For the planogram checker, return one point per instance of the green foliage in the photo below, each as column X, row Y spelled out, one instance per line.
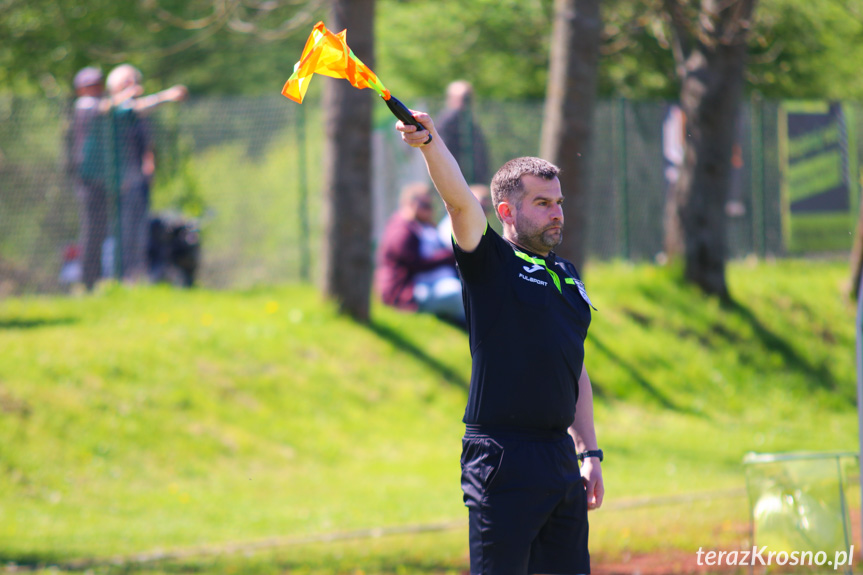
column 50, row 40
column 799, row 50
column 244, row 52
column 500, row 46
column 636, row 59
column 171, row 41
column 179, row 418
column 37, row 209
column 808, row 49
column 176, row 186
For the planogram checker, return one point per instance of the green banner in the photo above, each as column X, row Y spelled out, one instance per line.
column 819, row 174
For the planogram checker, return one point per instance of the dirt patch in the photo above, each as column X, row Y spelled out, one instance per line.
column 678, row 562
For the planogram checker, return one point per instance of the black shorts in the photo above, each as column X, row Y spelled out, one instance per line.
column 527, row 503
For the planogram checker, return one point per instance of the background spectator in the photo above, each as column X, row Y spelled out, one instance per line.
column 91, row 191
column 462, row 135
column 136, row 161
column 415, row 269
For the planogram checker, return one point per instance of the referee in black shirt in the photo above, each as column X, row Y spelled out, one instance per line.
column 529, row 417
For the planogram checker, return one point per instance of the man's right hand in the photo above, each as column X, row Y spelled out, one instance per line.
column 414, row 137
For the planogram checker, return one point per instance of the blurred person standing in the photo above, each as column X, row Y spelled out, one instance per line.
column 90, row 188
column 136, row 160
column 462, row 135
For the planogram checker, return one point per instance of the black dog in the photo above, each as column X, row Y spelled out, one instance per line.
column 174, row 250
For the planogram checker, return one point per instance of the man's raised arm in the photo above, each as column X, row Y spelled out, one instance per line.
column 468, row 218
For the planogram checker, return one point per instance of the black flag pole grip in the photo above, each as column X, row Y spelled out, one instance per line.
column 401, row 112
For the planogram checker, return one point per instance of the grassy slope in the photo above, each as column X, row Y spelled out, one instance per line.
column 152, row 417
column 142, row 418
column 690, row 386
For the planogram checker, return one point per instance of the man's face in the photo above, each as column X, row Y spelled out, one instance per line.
column 538, row 218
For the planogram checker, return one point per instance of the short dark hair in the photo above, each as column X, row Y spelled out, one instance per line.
column 506, row 185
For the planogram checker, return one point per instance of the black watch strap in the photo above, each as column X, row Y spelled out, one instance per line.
column 592, row 453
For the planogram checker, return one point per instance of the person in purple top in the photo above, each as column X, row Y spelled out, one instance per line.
column 415, row 270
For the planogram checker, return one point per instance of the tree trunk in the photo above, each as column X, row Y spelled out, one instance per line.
column 710, row 97
column 568, row 120
column 347, row 257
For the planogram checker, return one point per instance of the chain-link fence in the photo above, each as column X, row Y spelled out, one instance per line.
column 235, row 197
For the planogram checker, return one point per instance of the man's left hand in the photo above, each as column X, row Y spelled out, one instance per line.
column 591, row 474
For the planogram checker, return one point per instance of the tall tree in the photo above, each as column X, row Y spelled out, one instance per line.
column 348, row 170
column 568, row 119
column 710, row 50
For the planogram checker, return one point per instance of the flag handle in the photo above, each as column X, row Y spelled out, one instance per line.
column 401, row 112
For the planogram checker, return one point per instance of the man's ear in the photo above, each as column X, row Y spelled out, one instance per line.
column 506, row 212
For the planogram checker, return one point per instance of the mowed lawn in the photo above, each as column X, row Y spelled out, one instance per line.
column 146, row 418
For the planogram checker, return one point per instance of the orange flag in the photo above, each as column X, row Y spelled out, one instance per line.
column 328, row 54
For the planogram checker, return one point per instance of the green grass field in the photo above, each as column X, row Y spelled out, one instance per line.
column 147, row 418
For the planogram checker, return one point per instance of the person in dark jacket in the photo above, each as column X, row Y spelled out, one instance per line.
column 89, row 87
column 531, row 466
column 462, row 134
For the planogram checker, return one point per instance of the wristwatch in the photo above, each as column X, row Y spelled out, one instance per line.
column 592, row 453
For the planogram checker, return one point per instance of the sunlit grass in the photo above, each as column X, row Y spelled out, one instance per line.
column 148, row 418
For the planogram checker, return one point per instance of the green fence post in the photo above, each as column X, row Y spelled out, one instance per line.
column 116, row 184
column 763, row 190
column 757, row 174
column 623, row 187
column 305, row 257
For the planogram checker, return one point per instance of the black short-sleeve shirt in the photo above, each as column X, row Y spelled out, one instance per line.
column 527, row 318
